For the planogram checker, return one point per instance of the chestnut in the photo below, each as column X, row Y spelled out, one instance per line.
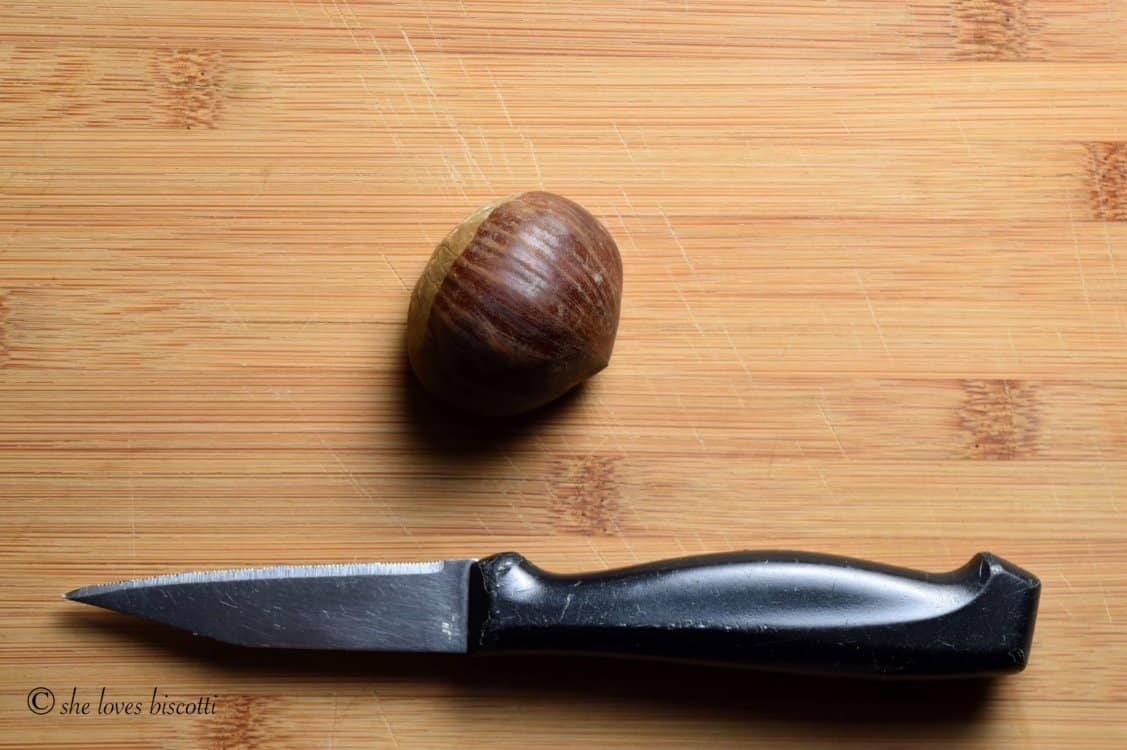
column 518, row 305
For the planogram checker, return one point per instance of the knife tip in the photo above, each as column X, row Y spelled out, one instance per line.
column 75, row 595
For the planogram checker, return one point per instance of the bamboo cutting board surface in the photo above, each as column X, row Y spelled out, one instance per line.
column 875, row 304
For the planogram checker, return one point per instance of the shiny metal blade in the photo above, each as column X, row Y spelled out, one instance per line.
column 366, row 607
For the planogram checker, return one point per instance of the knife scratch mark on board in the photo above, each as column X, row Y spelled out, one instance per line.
column 676, row 239
column 830, row 423
column 500, row 97
column 872, row 312
column 287, row 395
column 626, row 229
column 296, row 15
column 398, row 278
column 625, row 145
column 345, row 24
column 505, row 492
column 739, row 357
column 535, row 159
column 1079, row 260
column 333, row 722
column 685, row 302
column 418, row 64
column 386, row 721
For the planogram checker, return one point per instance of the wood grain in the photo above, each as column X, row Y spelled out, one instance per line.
column 875, row 304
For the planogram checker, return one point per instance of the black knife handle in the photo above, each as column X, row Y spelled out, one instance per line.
column 774, row 610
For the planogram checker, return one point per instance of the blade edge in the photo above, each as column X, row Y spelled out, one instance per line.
column 330, row 570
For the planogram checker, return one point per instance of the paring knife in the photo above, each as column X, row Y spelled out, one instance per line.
column 774, row 610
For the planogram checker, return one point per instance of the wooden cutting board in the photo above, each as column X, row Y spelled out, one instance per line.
column 875, row 304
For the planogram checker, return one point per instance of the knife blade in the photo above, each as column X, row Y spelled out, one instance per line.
column 791, row 611
column 365, row 607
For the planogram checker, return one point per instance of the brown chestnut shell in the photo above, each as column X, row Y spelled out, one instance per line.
column 518, row 305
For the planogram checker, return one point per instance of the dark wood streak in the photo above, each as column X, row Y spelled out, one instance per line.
column 999, row 419
column 234, row 724
column 191, row 84
column 587, row 496
column 993, row 29
column 1107, row 180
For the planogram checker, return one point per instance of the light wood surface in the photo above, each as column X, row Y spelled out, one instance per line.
column 875, row 304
